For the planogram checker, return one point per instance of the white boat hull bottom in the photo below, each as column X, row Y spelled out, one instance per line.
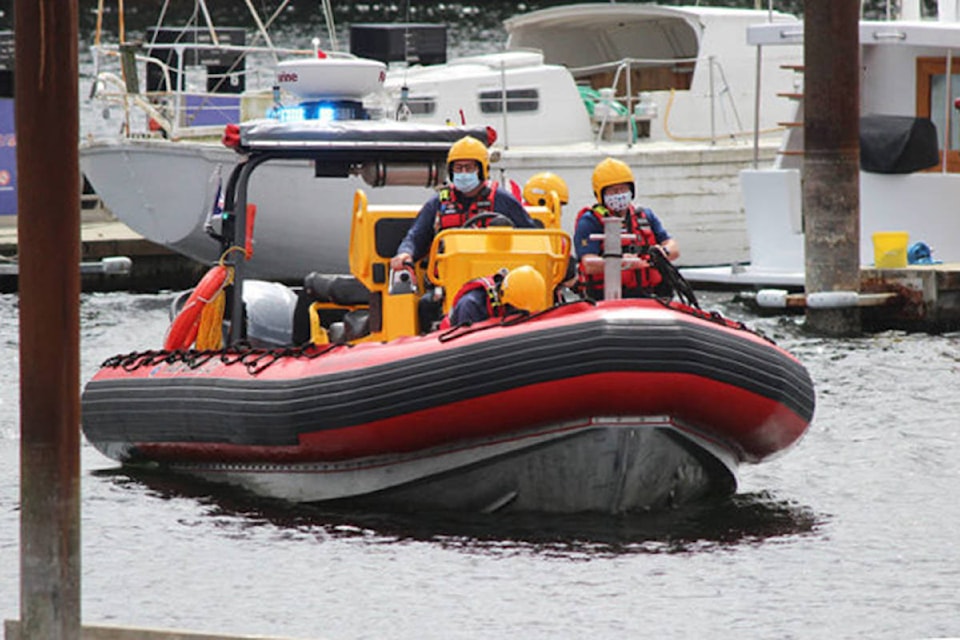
column 603, row 465
column 739, row 276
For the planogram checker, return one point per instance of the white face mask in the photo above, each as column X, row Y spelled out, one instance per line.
column 617, row 201
column 466, row 182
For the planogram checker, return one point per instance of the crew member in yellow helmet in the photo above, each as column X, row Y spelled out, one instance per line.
column 521, row 289
column 469, row 193
column 615, row 189
column 536, row 190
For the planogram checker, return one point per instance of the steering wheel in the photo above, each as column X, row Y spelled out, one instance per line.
column 495, row 220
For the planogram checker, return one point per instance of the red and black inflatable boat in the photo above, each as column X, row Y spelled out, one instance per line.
column 613, row 406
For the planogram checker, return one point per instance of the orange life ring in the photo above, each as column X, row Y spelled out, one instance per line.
column 183, row 330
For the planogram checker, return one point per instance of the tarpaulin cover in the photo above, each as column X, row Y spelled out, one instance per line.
column 897, row 144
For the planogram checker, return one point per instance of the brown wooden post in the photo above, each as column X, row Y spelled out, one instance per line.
column 48, row 219
column 831, row 165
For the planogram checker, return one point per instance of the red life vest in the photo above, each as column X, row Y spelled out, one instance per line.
column 635, row 282
column 492, row 288
column 451, row 213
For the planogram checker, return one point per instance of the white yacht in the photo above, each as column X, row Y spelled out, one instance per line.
column 910, row 155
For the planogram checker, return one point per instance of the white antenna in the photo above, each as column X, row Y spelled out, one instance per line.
column 260, row 26
column 331, row 28
column 209, row 21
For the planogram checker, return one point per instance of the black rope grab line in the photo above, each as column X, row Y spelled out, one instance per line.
column 254, row 359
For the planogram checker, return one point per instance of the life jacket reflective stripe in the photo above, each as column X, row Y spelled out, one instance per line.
column 634, row 282
column 452, row 215
column 488, row 284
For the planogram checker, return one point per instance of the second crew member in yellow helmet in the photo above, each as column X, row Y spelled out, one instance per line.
column 470, row 193
column 536, row 190
column 615, row 189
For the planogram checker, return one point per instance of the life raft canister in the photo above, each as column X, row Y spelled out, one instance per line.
column 184, row 328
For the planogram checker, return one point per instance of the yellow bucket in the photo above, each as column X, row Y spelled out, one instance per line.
column 890, row 249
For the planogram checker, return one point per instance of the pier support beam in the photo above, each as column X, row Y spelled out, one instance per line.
column 48, row 228
column 831, row 164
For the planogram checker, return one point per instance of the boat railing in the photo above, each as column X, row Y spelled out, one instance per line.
column 181, row 101
column 637, row 110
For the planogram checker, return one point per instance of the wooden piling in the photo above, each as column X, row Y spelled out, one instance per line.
column 831, row 164
column 48, row 190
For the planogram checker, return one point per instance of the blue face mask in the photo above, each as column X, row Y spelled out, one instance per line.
column 466, row 182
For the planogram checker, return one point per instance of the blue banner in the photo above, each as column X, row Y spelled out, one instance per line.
column 8, row 159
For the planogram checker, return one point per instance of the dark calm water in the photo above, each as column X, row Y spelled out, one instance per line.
column 850, row 534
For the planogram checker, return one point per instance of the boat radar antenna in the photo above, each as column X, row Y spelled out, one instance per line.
column 403, row 108
column 331, row 27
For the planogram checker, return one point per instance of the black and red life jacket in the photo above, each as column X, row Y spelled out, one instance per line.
column 635, row 282
column 490, row 286
column 452, row 214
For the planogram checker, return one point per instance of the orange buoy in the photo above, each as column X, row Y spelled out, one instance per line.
column 184, row 328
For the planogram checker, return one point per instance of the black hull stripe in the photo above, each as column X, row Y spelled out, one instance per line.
column 277, row 412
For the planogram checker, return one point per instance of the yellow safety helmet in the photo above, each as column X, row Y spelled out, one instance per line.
column 610, row 172
column 524, row 288
column 469, row 148
column 539, row 185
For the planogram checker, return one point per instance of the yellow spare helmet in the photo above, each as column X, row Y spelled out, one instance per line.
column 469, row 148
column 610, row 172
column 524, row 288
column 537, row 188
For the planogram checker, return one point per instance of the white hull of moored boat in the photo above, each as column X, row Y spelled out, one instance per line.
column 303, row 225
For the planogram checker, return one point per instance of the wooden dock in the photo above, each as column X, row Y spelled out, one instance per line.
column 927, row 298
column 153, row 268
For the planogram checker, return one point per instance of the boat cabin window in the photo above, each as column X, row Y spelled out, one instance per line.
column 932, row 103
column 643, row 77
column 422, row 105
column 517, row 100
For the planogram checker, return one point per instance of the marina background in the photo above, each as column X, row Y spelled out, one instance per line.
column 851, row 534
